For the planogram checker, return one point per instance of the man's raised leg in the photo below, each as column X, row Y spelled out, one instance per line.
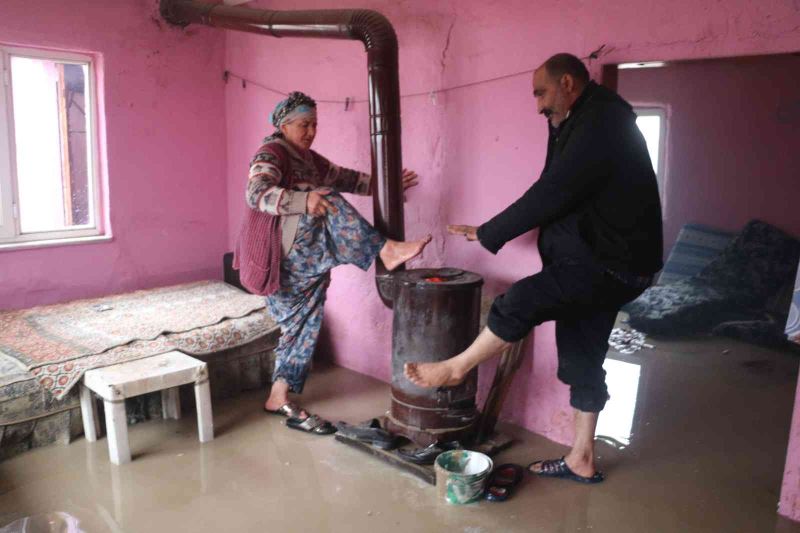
column 451, row 372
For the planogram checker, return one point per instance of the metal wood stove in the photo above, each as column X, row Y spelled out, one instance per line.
column 436, row 316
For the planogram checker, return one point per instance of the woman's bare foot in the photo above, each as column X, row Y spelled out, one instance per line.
column 279, row 396
column 441, row 374
column 395, row 253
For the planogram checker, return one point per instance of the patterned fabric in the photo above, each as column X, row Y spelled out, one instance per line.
column 793, row 321
column 57, row 343
column 295, row 101
column 696, row 247
column 11, row 370
column 736, row 286
column 59, row 378
column 308, row 172
column 27, row 398
column 299, row 113
column 321, row 243
column 56, row 333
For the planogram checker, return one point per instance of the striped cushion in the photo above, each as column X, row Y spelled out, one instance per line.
column 695, row 247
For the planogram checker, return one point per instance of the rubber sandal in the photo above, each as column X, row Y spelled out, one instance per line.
column 289, row 410
column 502, row 481
column 558, row 468
column 369, row 432
column 311, row 424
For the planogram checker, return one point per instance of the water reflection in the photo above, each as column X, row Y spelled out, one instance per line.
column 56, row 522
column 623, row 376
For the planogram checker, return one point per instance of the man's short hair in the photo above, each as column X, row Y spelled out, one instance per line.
column 561, row 64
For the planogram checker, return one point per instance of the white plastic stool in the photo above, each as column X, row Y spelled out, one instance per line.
column 163, row 373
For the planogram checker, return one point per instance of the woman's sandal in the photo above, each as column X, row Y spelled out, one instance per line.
column 311, row 424
column 502, row 482
column 289, row 410
column 559, row 468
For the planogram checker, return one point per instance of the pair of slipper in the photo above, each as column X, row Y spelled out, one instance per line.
column 502, row 481
column 295, row 420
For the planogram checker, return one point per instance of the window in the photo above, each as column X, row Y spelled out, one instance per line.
column 49, row 187
column 652, row 124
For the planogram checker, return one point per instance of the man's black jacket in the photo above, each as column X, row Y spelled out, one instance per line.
column 597, row 196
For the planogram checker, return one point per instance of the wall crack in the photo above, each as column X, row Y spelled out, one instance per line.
column 447, row 44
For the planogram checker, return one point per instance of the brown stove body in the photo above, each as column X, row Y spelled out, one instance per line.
column 436, row 316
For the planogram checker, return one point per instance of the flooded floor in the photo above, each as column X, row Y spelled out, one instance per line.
column 693, row 440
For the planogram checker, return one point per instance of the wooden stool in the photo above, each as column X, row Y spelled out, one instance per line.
column 163, row 373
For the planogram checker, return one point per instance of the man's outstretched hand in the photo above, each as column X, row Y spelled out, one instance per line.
column 470, row 232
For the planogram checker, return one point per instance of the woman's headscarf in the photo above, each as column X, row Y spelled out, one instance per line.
column 296, row 106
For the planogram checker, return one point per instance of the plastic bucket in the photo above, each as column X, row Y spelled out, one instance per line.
column 461, row 475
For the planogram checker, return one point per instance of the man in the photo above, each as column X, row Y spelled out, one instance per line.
column 597, row 208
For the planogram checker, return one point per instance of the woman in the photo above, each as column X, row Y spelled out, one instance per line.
column 318, row 231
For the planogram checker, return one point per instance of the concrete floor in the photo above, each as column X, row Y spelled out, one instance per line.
column 703, row 450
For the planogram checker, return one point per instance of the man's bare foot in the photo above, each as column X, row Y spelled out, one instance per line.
column 582, row 466
column 441, row 374
column 395, row 253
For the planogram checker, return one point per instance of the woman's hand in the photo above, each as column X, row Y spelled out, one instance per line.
column 410, row 179
column 316, row 203
column 470, row 232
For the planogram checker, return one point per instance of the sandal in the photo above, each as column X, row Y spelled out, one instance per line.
column 502, row 482
column 559, row 468
column 289, row 410
column 427, row 455
column 370, row 432
column 311, row 424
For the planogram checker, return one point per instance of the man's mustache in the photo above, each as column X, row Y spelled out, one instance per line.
column 547, row 112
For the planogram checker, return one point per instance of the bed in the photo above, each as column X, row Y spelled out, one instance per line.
column 45, row 350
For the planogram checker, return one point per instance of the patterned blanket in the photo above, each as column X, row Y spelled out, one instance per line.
column 58, row 343
column 695, row 247
column 737, row 286
column 793, row 322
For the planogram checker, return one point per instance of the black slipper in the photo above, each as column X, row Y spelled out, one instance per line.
column 427, row 455
column 502, row 481
column 558, row 468
column 370, row 432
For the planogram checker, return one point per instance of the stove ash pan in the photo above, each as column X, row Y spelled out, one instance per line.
column 436, row 316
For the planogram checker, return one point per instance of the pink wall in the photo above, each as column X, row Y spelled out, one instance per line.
column 163, row 153
column 731, row 139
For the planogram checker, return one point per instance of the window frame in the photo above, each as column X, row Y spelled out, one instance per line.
column 11, row 235
column 661, row 113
